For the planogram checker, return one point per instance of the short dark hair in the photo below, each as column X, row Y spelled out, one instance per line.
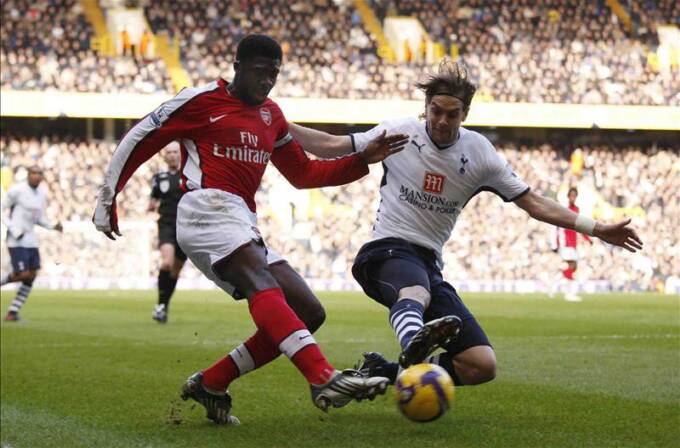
column 572, row 189
column 451, row 79
column 35, row 168
column 255, row 45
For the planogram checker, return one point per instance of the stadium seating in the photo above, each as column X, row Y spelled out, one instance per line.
column 328, row 226
column 573, row 51
column 46, row 46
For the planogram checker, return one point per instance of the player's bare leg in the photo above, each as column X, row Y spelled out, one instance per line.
column 475, row 365
column 299, row 296
column 258, row 350
column 570, row 294
column 248, row 271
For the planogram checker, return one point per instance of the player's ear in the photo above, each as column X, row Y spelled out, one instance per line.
column 237, row 64
column 465, row 113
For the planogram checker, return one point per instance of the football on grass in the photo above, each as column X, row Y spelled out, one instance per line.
column 424, row 392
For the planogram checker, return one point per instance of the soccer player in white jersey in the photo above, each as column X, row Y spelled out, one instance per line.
column 23, row 208
column 423, row 190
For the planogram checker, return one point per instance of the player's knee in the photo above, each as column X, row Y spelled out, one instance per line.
column 175, row 270
column 26, row 276
column 315, row 319
column 165, row 266
column 417, row 292
column 483, row 371
column 28, row 283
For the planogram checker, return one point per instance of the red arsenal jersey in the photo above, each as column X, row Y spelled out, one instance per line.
column 568, row 237
column 226, row 144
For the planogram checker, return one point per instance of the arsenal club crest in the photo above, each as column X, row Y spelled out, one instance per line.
column 266, row 116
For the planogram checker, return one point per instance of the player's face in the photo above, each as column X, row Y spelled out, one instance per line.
column 34, row 178
column 572, row 197
column 257, row 77
column 171, row 156
column 444, row 115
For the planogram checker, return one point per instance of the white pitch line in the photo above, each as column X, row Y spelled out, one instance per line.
column 598, row 336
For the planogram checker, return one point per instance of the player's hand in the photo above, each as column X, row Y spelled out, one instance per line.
column 619, row 234
column 59, row 227
column 383, row 146
column 105, row 219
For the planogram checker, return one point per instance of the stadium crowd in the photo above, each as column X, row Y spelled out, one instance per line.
column 557, row 51
column 320, row 231
column 46, row 45
column 573, row 51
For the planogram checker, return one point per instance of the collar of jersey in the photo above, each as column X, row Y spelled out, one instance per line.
column 440, row 147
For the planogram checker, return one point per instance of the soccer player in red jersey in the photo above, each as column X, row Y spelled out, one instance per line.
column 566, row 242
column 228, row 132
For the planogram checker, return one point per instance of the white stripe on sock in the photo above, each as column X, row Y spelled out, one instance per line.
column 20, row 298
column 402, row 334
column 397, row 317
column 296, row 342
column 408, row 322
column 434, row 359
column 242, row 358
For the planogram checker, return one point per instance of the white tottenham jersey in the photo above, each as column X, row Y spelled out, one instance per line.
column 26, row 208
column 425, row 187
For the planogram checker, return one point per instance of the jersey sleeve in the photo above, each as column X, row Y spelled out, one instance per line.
column 44, row 222
column 155, row 189
column 500, row 178
column 360, row 140
column 302, row 172
column 172, row 120
column 8, row 202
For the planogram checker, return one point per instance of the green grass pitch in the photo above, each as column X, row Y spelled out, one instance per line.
column 92, row 369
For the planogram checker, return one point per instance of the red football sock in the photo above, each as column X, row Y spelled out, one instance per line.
column 221, row 374
column 252, row 354
column 278, row 321
column 568, row 274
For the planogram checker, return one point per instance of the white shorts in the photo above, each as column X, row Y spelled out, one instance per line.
column 569, row 254
column 211, row 225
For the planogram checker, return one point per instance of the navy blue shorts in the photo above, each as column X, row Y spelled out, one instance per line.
column 385, row 266
column 24, row 258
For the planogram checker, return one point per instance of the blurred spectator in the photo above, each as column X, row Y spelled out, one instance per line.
column 320, row 231
column 46, row 46
column 556, row 51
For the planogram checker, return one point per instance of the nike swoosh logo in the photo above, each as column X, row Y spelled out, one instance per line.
column 217, row 118
column 304, row 337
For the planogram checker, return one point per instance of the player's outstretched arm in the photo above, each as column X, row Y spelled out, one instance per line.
column 328, row 146
column 547, row 210
column 302, row 172
column 319, row 143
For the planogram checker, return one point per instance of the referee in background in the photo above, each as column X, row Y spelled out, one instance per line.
column 165, row 195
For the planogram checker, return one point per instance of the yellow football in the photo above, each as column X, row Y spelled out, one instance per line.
column 424, row 392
